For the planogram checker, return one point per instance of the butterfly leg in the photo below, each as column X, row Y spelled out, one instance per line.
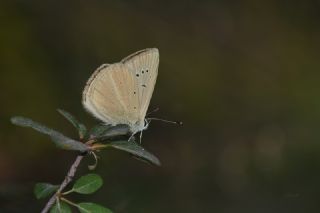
column 131, row 136
column 141, row 136
column 144, row 128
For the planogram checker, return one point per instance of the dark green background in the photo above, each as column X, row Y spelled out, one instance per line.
column 243, row 76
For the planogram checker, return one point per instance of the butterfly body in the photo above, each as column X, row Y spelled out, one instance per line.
column 120, row 93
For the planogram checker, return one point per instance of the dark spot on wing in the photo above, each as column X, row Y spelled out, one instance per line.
column 143, row 85
column 134, row 92
column 147, row 70
column 134, row 107
column 142, row 71
column 137, row 75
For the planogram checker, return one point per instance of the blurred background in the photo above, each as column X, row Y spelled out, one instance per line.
column 243, row 76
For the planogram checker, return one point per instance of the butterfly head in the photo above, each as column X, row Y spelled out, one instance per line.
column 138, row 126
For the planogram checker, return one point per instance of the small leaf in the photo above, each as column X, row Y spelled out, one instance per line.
column 59, row 139
column 79, row 126
column 88, row 184
column 42, row 190
column 114, row 131
column 66, row 143
column 26, row 122
column 98, row 130
column 60, row 207
column 93, row 166
column 92, row 208
column 135, row 149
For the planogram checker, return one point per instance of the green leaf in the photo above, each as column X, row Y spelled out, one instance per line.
column 59, row 139
column 42, row 190
column 136, row 150
column 66, row 143
column 98, row 130
column 26, row 122
column 82, row 130
column 92, row 208
column 88, row 184
column 114, row 131
column 60, row 207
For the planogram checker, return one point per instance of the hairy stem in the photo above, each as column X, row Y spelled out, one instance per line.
column 63, row 185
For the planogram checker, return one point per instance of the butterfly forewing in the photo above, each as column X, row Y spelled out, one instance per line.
column 144, row 66
column 120, row 93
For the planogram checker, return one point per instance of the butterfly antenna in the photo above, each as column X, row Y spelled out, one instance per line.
column 167, row 121
column 155, row 110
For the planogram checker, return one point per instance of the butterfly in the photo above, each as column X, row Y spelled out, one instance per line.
column 120, row 93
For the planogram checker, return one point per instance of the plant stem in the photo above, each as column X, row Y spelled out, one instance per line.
column 63, row 185
column 67, row 192
column 69, row 202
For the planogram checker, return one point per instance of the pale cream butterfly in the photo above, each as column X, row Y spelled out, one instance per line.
column 120, row 93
